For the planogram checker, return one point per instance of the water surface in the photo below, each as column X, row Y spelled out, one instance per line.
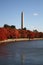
column 22, row 53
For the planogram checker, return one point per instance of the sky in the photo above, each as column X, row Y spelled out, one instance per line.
column 10, row 13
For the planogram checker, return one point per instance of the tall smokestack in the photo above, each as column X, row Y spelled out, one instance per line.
column 22, row 19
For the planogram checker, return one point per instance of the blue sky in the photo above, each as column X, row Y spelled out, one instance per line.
column 10, row 13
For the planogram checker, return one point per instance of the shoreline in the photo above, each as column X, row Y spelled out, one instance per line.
column 20, row 39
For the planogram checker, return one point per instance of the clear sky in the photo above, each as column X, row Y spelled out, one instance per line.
column 10, row 13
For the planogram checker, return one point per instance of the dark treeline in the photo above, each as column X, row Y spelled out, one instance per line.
column 10, row 32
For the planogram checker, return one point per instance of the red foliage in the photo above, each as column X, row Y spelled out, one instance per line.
column 9, row 33
column 23, row 33
column 30, row 34
column 36, row 35
column 3, row 33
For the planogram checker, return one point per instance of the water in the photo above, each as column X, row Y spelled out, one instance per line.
column 22, row 53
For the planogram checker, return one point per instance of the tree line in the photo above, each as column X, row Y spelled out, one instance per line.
column 10, row 32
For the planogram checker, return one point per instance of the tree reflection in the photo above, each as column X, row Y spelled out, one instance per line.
column 3, row 50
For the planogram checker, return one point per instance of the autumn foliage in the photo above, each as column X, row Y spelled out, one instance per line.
column 12, row 33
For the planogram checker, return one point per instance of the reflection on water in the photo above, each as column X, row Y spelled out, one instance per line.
column 22, row 53
column 3, row 51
